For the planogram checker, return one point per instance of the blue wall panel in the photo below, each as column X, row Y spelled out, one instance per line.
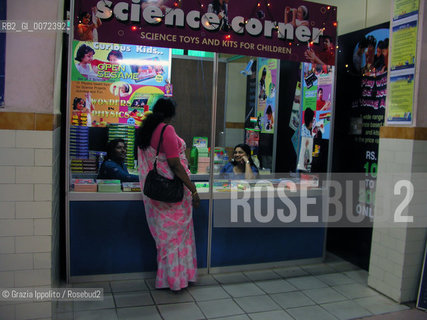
column 113, row 237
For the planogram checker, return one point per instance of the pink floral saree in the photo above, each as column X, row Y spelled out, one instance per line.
column 171, row 225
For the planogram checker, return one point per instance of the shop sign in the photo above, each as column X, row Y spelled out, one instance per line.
column 270, row 28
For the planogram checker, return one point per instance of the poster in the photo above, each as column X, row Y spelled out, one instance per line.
column 114, row 83
column 403, row 57
column 402, row 8
column 317, row 101
column 266, row 93
column 404, row 45
column 361, row 95
column 401, row 98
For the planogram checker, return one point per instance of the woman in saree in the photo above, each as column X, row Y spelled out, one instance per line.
column 171, row 224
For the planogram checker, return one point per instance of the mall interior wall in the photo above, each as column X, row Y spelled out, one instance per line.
column 30, row 158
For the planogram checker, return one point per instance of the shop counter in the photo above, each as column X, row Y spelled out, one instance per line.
column 108, row 234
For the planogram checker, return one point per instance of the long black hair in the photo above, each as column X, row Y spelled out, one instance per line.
column 163, row 109
column 247, row 150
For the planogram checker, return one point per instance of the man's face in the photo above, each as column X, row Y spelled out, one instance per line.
column 120, row 151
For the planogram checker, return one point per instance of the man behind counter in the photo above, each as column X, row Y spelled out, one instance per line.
column 113, row 166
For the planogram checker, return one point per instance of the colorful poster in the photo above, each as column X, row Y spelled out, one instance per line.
column 309, row 99
column 110, row 62
column 275, row 29
column 361, row 97
column 315, row 115
column 401, row 98
column 402, row 8
column 404, row 45
column 114, row 83
column 266, row 89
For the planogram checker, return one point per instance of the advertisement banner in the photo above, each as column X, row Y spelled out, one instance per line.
column 276, row 29
column 116, row 83
column 361, row 95
column 266, row 89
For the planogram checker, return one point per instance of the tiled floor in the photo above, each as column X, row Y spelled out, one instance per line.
column 326, row 291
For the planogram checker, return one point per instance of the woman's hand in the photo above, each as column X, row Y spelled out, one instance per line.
column 245, row 159
column 195, row 200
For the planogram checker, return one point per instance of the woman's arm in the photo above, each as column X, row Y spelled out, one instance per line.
column 179, row 171
column 294, row 16
column 248, row 169
column 287, row 10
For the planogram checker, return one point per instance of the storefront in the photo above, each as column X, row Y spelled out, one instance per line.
column 252, row 73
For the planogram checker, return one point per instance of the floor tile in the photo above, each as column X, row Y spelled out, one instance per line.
column 243, row 290
column 379, row 304
column 167, row 296
column 310, row 312
column 64, row 306
column 204, row 293
column 239, row 317
column 107, row 303
column 335, row 279
column 345, row 310
column 226, row 278
column 220, row 308
column 292, row 299
column 290, row 272
column 308, row 282
column 261, row 275
column 133, row 299
column 271, row 315
column 151, row 283
column 101, row 284
column 257, row 304
column 412, row 314
column 320, row 268
column 342, row 266
column 7, row 312
column 63, row 316
column 128, row 286
column 275, row 286
column 324, row 295
column 356, row 290
column 139, row 313
column 360, row 276
column 181, row 311
column 205, row 280
column 106, row 314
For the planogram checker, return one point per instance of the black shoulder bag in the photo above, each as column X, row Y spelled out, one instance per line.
column 159, row 188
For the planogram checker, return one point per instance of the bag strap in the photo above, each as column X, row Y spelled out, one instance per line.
column 158, row 147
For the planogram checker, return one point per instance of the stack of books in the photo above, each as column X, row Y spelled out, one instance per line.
column 84, row 185
column 106, row 185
